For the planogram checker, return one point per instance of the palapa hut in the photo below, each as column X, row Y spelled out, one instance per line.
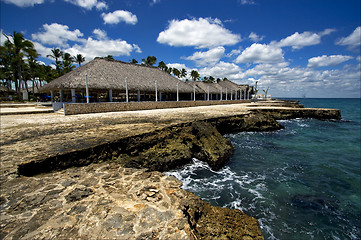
column 224, row 90
column 111, row 80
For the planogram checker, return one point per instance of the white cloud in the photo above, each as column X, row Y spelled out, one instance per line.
column 285, row 81
column 324, row 61
column 261, row 53
column 57, row 34
column 254, row 37
column 209, row 57
column 136, row 48
column 200, row 33
column 178, row 66
column 99, row 48
column 247, row 2
column 300, row 40
column 234, row 52
column 353, row 40
column 2, row 38
column 154, row 2
column 101, row 6
column 24, row 3
column 89, row 4
column 100, row 34
column 119, row 16
column 327, row 31
column 41, row 49
column 223, row 69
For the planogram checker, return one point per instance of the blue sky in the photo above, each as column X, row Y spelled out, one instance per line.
column 296, row 48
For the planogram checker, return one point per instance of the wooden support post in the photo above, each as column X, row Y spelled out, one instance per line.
column 126, row 89
column 73, row 99
column 110, row 95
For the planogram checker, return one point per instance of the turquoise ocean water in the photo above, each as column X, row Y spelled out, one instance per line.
column 302, row 182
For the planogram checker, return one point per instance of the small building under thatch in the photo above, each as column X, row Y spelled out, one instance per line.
column 111, row 80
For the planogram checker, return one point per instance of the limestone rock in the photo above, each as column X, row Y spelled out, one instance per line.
column 210, row 222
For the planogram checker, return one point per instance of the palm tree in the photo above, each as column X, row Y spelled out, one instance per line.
column 56, row 54
column 183, row 73
column 109, row 57
column 162, row 66
column 5, row 63
column 79, row 59
column 211, row 79
column 67, row 63
column 34, row 70
column 17, row 48
column 150, row 61
column 265, row 92
column 176, row 72
column 194, row 75
column 134, row 61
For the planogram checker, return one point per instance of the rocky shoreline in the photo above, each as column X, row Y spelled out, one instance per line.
column 110, row 185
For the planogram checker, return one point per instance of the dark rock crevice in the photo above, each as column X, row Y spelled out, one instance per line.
column 160, row 150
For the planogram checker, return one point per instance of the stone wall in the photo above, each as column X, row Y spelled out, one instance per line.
column 83, row 108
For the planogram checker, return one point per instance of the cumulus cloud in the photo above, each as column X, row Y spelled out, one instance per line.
column 24, row 3
column 209, row 57
column 2, row 37
column 89, row 4
column 119, row 16
column 41, row 49
column 324, row 61
column 300, row 40
column 223, row 69
column 254, row 37
column 101, row 6
column 60, row 36
column 286, row 81
column 178, row 66
column 100, row 34
column 199, row 33
column 353, row 40
column 57, row 34
column 261, row 53
column 98, row 48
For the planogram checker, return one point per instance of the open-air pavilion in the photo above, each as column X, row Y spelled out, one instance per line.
column 116, row 81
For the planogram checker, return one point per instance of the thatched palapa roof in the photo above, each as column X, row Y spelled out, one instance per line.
column 216, row 88
column 106, row 74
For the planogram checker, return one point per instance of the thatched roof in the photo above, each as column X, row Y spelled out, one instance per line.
column 215, row 88
column 106, row 74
